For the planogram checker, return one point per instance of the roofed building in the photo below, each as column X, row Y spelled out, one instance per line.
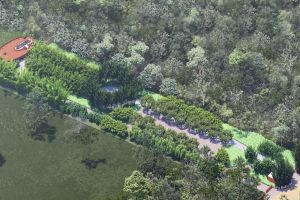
column 16, row 49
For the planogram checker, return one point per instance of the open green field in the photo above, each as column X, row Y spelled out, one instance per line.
column 82, row 101
column 6, row 36
column 50, row 167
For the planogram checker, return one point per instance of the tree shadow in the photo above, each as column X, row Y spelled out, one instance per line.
column 92, row 164
column 2, row 160
column 45, row 133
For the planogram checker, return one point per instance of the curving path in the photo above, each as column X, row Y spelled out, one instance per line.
column 214, row 145
column 202, row 140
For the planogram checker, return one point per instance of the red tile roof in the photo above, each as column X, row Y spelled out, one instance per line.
column 8, row 52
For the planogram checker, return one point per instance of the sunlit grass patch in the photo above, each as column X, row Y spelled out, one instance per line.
column 72, row 55
column 234, row 153
column 82, row 101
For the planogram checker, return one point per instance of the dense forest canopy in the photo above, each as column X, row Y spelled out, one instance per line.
column 237, row 58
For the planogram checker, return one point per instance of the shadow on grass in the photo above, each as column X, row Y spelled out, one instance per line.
column 92, row 164
column 45, row 133
column 2, row 160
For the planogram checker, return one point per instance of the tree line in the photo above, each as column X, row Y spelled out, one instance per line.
column 188, row 115
column 79, row 77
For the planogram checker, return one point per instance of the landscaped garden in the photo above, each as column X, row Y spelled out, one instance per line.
column 171, row 107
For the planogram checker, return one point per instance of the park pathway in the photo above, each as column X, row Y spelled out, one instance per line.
column 202, row 140
column 214, row 145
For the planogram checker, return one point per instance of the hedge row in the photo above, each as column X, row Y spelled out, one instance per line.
column 188, row 115
column 178, row 146
column 27, row 82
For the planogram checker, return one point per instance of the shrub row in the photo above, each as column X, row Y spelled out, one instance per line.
column 178, row 146
column 74, row 73
column 26, row 82
column 114, row 126
column 190, row 116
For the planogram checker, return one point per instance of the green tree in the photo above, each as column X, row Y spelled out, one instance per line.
column 168, row 86
column 297, row 156
column 151, row 76
column 36, row 112
column 250, row 154
column 222, row 157
column 136, row 186
column 282, row 172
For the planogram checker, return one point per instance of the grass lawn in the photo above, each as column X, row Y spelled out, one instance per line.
column 73, row 55
column 156, row 96
column 7, row 36
column 234, row 153
column 247, row 138
column 82, row 101
column 254, row 139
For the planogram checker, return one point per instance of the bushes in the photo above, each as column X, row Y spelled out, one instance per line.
column 222, row 157
column 113, row 126
column 95, row 118
column 74, row 73
column 76, row 110
column 282, row 172
column 263, row 167
column 191, row 116
column 269, row 148
column 26, row 82
column 178, row 146
column 250, row 154
column 122, row 114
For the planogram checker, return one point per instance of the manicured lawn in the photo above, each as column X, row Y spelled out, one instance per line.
column 234, row 153
column 254, row 139
column 81, row 101
column 73, row 55
column 289, row 156
column 7, row 36
column 247, row 138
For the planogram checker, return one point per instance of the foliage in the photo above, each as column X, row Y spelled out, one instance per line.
column 148, row 101
column 113, row 126
column 282, row 172
column 269, row 148
column 122, row 114
column 168, row 142
column 36, row 112
column 263, row 167
column 76, row 110
column 297, row 157
column 191, row 116
column 137, row 186
column 81, row 101
column 74, row 73
column 168, row 86
column 222, row 157
column 151, row 76
column 250, row 154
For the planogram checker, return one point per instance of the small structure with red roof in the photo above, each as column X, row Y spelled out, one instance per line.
column 16, row 49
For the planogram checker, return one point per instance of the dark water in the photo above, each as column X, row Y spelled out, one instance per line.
column 58, row 169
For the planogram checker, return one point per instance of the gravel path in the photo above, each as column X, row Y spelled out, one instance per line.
column 202, row 140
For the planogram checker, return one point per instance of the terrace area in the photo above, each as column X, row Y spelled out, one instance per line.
column 15, row 49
